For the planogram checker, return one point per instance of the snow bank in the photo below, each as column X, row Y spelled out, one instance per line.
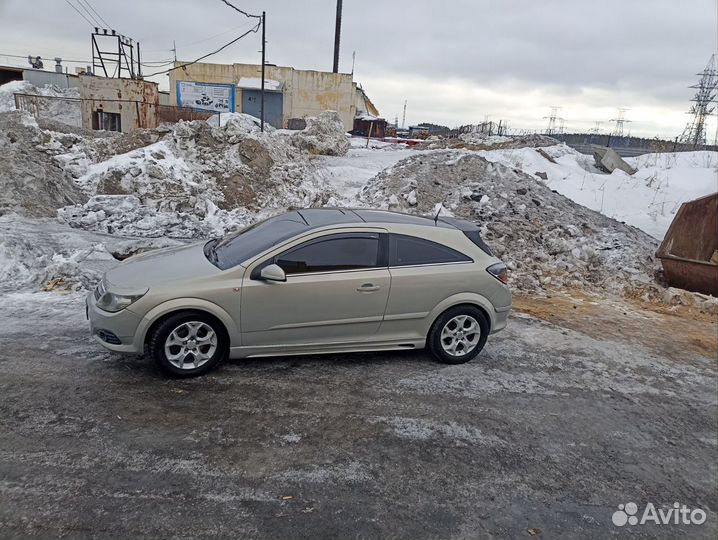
column 476, row 137
column 196, row 181
column 241, row 122
column 649, row 199
column 39, row 253
column 67, row 112
column 547, row 240
column 323, row 135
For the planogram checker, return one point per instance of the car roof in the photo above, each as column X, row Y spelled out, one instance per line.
column 321, row 217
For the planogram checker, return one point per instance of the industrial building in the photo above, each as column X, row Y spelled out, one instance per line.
column 118, row 104
column 290, row 94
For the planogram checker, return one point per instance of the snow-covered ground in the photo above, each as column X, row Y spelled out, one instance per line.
column 348, row 174
column 648, row 200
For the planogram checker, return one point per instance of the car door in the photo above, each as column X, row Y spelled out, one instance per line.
column 336, row 292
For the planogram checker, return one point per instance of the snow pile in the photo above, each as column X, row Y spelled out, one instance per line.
column 477, row 140
column 547, row 240
column 324, row 135
column 66, row 111
column 30, row 181
column 477, row 137
column 243, row 123
column 39, row 253
column 195, row 181
column 649, row 199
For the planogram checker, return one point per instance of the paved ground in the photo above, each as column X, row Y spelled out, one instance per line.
column 548, row 429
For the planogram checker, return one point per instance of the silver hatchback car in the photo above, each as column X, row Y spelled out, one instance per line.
column 323, row 280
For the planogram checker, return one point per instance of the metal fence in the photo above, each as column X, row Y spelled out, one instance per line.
column 169, row 113
column 62, row 109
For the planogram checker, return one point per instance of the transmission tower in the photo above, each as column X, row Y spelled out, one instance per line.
column 596, row 129
column 552, row 128
column 695, row 131
column 620, row 123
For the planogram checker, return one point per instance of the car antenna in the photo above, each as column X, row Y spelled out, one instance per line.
column 438, row 211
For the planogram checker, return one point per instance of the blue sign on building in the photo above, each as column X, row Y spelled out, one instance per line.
column 212, row 97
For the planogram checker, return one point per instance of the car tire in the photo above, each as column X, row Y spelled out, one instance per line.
column 458, row 335
column 188, row 344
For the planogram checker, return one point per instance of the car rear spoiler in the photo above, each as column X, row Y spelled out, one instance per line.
column 471, row 230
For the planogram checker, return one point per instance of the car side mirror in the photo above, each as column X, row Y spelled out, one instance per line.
column 273, row 272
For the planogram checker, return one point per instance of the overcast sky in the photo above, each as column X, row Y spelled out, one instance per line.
column 454, row 61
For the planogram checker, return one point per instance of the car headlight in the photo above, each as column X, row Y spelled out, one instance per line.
column 117, row 302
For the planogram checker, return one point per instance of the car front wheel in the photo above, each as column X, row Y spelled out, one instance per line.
column 458, row 335
column 188, row 344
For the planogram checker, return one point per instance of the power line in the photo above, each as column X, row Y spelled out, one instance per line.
column 80, row 13
column 95, row 21
column 256, row 27
column 241, row 11
column 96, row 13
column 64, row 59
column 242, row 26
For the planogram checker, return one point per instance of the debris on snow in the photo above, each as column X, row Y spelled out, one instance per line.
column 608, row 160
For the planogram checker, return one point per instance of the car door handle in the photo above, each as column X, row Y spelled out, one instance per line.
column 368, row 287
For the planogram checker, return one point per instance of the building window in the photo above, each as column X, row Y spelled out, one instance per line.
column 106, row 120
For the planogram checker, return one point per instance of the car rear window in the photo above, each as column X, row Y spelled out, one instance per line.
column 407, row 250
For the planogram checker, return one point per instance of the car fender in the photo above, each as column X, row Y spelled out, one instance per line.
column 461, row 298
column 178, row 304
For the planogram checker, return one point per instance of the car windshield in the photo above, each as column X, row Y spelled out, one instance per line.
column 238, row 247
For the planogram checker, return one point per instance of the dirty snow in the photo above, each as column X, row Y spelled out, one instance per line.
column 649, row 199
column 65, row 111
column 201, row 179
column 547, row 240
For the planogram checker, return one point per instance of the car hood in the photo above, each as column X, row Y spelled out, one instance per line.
column 140, row 272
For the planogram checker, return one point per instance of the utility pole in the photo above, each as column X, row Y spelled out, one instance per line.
column 264, row 28
column 174, row 49
column 337, row 36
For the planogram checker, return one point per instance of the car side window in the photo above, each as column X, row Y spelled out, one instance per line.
column 409, row 250
column 332, row 253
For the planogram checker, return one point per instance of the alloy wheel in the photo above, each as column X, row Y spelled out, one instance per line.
column 460, row 335
column 190, row 345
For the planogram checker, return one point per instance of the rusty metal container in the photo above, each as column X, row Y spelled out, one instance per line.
column 688, row 251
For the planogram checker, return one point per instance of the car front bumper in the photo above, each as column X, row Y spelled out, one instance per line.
column 115, row 331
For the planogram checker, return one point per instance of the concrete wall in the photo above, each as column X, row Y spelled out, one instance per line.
column 306, row 93
column 41, row 78
column 136, row 101
column 625, row 146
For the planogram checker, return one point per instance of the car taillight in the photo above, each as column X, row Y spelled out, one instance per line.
column 500, row 272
